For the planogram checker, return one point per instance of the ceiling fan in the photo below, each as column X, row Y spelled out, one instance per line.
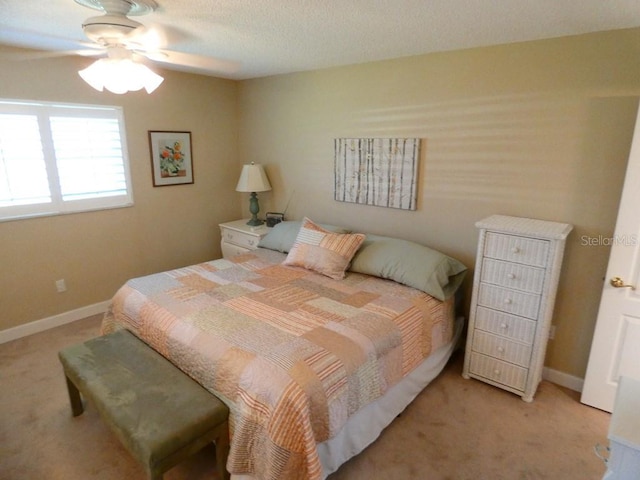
column 126, row 40
column 122, row 38
column 114, row 29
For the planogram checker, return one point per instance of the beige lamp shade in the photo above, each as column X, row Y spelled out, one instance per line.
column 253, row 179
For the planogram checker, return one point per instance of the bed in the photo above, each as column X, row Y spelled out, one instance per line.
column 316, row 341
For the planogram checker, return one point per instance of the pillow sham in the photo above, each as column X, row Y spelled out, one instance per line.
column 323, row 251
column 283, row 235
column 411, row 264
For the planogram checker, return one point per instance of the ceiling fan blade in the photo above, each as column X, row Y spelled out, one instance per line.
column 155, row 36
column 27, row 55
column 38, row 41
column 192, row 62
column 147, row 38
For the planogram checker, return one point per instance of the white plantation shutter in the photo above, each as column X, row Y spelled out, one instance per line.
column 23, row 174
column 61, row 158
column 89, row 157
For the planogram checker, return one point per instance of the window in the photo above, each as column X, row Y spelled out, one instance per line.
column 61, row 158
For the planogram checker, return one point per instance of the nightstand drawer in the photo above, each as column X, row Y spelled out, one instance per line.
column 517, row 249
column 505, row 324
column 498, row 371
column 502, row 348
column 240, row 239
column 510, row 301
column 512, row 275
column 229, row 250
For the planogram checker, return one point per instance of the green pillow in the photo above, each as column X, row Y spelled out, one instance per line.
column 410, row 264
column 282, row 237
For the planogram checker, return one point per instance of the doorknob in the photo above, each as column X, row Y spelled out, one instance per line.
column 617, row 282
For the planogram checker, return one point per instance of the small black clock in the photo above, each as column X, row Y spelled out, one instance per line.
column 274, row 218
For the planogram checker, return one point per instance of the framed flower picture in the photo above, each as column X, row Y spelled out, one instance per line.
column 171, row 160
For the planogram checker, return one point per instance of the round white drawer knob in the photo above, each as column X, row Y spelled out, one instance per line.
column 507, row 301
column 511, row 276
column 504, row 326
column 496, row 372
column 501, row 349
column 515, row 250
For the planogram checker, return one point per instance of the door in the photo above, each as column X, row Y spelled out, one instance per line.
column 615, row 350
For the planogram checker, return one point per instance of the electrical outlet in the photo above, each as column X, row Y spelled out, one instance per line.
column 552, row 332
column 61, row 285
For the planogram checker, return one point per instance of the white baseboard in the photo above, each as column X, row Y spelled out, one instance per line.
column 51, row 322
column 563, row 379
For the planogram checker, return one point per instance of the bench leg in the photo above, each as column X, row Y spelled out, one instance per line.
column 74, row 398
column 222, row 452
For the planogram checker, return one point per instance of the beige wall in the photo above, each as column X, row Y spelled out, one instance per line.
column 167, row 227
column 538, row 129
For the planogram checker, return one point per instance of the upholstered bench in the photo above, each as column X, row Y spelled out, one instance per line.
column 159, row 413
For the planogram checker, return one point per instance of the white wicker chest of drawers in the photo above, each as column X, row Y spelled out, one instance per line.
column 514, row 288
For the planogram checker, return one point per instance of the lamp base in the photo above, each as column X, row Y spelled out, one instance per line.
column 254, row 208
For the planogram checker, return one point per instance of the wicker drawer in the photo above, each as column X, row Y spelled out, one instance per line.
column 506, row 325
column 240, row 239
column 498, row 371
column 529, row 251
column 510, row 301
column 513, row 275
column 502, row 348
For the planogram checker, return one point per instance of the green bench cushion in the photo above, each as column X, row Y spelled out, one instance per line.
column 156, row 410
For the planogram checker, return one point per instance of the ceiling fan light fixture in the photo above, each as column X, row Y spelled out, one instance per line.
column 120, row 75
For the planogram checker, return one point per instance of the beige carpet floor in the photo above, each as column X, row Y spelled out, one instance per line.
column 455, row 430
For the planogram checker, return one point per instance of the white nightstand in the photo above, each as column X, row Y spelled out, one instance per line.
column 238, row 237
column 514, row 290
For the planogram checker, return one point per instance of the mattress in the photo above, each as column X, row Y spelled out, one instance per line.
column 366, row 425
column 294, row 354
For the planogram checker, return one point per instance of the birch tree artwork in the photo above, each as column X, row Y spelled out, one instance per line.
column 377, row 171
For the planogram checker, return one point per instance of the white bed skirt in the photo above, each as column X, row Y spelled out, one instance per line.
column 366, row 425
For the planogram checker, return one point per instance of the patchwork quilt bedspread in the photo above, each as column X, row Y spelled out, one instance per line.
column 291, row 352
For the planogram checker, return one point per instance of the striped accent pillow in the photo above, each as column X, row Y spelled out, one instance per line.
column 323, row 251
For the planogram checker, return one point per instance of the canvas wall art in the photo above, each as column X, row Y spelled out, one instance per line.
column 377, row 171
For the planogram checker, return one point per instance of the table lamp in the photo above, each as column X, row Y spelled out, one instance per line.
column 253, row 179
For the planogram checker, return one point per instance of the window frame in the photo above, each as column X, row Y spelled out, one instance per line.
column 58, row 206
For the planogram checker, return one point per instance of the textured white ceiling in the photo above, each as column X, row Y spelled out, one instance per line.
column 255, row 38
